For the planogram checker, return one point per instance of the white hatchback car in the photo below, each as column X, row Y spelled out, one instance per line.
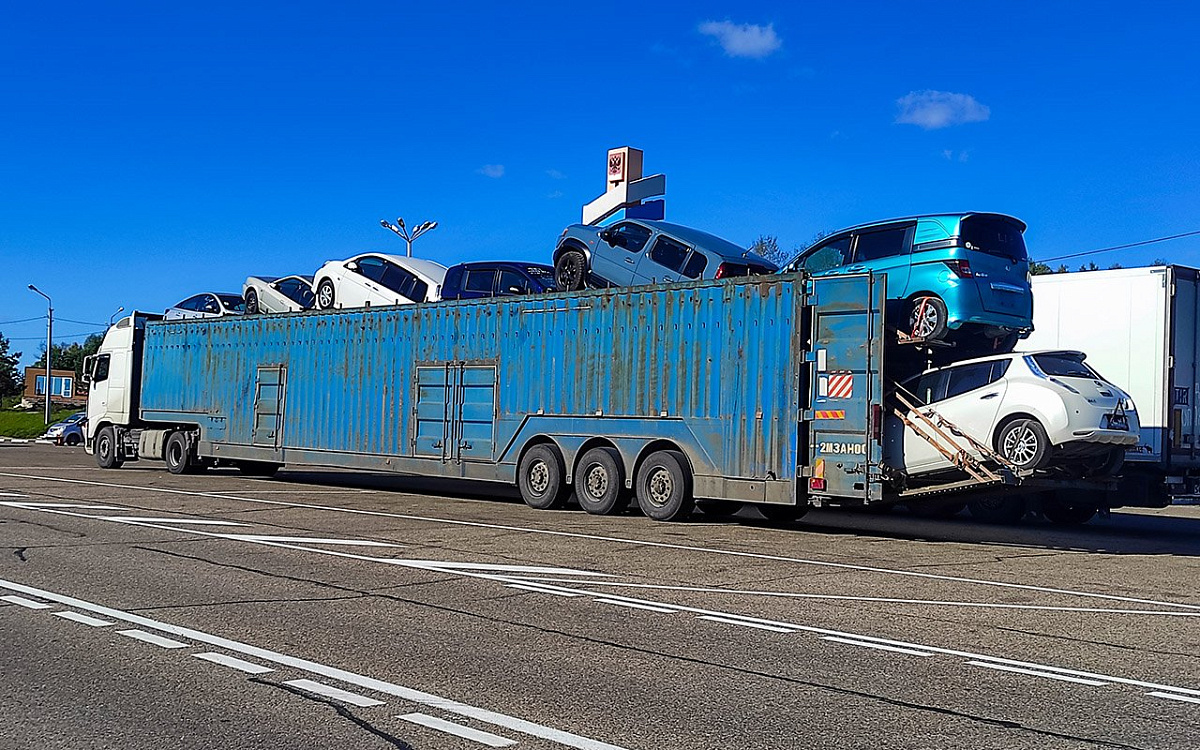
column 1040, row 410
column 206, row 305
column 268, row 294
column 375, row 279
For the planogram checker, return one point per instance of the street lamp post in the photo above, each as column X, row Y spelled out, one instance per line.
column 120, row 310
column 49, row 343
column 405, row 234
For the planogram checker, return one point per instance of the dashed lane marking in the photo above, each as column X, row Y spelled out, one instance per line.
column 1038, row 673
column 636, row 605
column 1174, row 697
column 412, row 695
column 233, row 662
column 313, row 540
column 187, row 521
column 329, row 691
column 747, row 623
column 483, row 738
column 81, row 506
column 94, row 622
column 541, row 589
column 157, row 640
column 10, row 494
column 23, row 602
column 880, row 646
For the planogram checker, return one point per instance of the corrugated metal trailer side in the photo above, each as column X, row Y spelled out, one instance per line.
column 717, row 369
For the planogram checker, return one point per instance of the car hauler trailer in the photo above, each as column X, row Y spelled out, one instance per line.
column 1139, row 329
column 764, row 390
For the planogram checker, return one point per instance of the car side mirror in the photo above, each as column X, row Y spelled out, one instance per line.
column 515, row 290
column 607, row 236
column 352, row 266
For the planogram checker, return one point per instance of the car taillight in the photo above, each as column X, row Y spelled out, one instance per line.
column 961, row 268
column 721, row 271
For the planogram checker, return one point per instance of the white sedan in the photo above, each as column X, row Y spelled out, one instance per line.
column 268, row 294
column 375, row 279
column 206, row 305
column 1043, row 410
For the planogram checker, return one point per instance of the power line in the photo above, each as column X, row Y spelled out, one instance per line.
column 1122, row 247
column 43, row 338
column 80, row 322
column 22, row 320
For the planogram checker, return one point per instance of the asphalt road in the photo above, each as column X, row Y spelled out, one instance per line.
column 144, row 610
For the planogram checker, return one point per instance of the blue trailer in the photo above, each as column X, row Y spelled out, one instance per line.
column 764, row 390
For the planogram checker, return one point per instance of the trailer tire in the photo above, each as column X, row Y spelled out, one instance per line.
column 1023, row 442
column 541, row 478
column 600, row 482
column 664, row 486
column 258, row 468
column 1068, row 507
column 570, row 271
column 997, row 509
column 782, row 513
column 178, row 454
column 108, row 451
column 325, row 294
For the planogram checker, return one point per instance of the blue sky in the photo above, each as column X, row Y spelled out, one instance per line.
column 150, row 151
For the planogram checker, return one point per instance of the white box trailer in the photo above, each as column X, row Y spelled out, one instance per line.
column 1138, row 327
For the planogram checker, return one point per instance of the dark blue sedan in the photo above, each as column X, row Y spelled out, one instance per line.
column 493, row 278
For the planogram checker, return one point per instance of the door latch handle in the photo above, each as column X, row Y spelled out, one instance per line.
column 986, row 396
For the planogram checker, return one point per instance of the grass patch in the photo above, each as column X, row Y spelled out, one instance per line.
column 29, row 424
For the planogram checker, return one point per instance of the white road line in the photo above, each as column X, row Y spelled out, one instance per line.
column 747, row 623
column 483, row 738
column 1037, row 673
column 95, row 622
column 369, row 683
column 10, row 494
column 80, row 506
column 157, row 640
column 1174, row 697
column 313, row 540
column 636, row 605
column 595, row 537
column 330, row 691
column 880, row 646
column 188, row 521
column 27, row 603
column 541, row 589
column 233, row 662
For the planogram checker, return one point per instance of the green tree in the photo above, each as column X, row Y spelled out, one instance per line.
column 1091, row 266
column 70, row 356
column 1039, row 269
column 10, row 375
column 767, row 246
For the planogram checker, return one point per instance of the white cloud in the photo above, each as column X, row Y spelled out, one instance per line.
column 495, row 171
column 743, row 39
column 939, row 109
column 555, row 195
column 554, row 174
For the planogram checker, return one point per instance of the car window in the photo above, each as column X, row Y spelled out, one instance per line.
column 883, row 244
column 297, row 291
column 668, row 252
column 696, row 263
column 481, row 280
column 929, row 388
column 209, row 304
column 832, row 254
column 1064, row 367
column 100, row 369
column 196, row 304
column 995, row 236
column 510, row 281
column 373, row 268
column 632, row 237
column 397, row 279
column 967, row 378
column 232, row 302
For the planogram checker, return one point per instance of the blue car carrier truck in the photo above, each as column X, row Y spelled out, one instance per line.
column 765, row 390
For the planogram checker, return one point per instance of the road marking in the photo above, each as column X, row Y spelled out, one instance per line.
column 636, row 605
column 1174, row 697
column 10, row 494
column 369, row 683
column 81, row 506
column 1037, row 673
column 330, row 691
column 483, row 738
column 312, row 540
column 541, row 589
column 157, row 640
column 233, row 662
column 188, row 521
column 95, row 622
column 747, row 623
column 880, row 646
column 594, row 537
column 27, row 603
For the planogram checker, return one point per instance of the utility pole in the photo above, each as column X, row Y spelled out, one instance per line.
column 49, row 344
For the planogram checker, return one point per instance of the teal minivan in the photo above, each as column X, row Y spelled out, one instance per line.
column 947, row 274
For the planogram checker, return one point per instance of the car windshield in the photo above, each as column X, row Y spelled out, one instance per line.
column 233, row 302
column 1064, row 366
column 994, row 236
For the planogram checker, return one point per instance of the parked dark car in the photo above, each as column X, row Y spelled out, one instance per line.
column 69, row 431
column 496, row 279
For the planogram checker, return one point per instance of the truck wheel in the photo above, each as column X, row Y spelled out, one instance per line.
column 540, row 478
column 108, row 454
column 664, row 486
column 928, row 318
column 72, row 440
column 997, row 509
column 600, row 483
column 178, row 454
column 1066, row 513
column 325, row 294
column 570, row 271
column 1024, row 443
column 258, row 468
column 782, row 513
column 252, row 302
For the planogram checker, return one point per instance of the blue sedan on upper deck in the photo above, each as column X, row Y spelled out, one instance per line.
column 946, row 273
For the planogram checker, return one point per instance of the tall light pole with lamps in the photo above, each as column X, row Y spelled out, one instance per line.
column 405, row 234
column 49, row 343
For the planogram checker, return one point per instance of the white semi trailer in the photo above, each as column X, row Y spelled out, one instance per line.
column 1139, row 329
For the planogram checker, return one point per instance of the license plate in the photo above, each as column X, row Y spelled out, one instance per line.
column 1118, row 422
